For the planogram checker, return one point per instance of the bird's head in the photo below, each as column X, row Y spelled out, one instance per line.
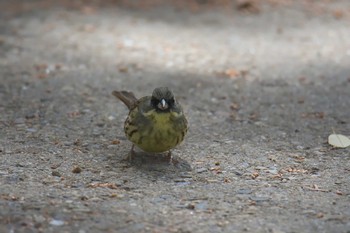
column 162, row 99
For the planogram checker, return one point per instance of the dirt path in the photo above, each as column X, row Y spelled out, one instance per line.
column 263, row 85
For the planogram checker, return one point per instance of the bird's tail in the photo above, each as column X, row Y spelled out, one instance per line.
column 127, row 97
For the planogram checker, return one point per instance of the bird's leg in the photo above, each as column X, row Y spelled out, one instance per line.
column 130, row 154
column 172, row 160
column 169, row 157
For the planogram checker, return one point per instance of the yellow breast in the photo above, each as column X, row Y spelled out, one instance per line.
column 161, row 134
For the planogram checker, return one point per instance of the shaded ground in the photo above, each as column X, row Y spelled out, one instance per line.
column 263, row 85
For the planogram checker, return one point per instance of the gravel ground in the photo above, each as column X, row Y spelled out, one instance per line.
column 263, row 84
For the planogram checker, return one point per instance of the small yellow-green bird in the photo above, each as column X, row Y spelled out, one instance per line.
column 155, row 123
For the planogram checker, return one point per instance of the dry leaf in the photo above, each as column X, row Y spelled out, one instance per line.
column 103, row 185
column 314, row 115
column 254, row 175
column 339, row 192
column 234, row 106
column 231, row 73
column 338, row 140
column 115, row 142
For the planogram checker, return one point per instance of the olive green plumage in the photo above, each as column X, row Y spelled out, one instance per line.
column 155, row 123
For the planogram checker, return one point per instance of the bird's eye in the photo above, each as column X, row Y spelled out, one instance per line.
column 154, row 102
column 171, row 101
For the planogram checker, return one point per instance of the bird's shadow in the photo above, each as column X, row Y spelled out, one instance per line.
column 158, row 165
column 158, row 162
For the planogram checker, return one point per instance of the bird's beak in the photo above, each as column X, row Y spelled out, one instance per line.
column 163, row 104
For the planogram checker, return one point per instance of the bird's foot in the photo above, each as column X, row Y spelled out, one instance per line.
column 130, row 155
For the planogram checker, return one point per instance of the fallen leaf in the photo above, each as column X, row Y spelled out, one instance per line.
column 88, row 10
column 253, row 116
column 248, row 6
column 8, row 197
column 216, row 170
column 232, row 73
column 115, row 142
column 123, row 69
column 314, row 187
column 338, row 192
column 301, row 100
column 73, row 114
column 338, row 140
column 315, row 115
column 234, row 106
column 103, row 185
column 338, row 14
column 254, row 175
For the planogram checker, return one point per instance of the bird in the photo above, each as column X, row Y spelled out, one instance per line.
column 155, row 123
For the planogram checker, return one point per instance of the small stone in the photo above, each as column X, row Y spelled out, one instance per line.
column 76, row 169
column 273, row 171
column 30, row 115
column 112, row 146
column 100, row 124
column 111, row 118
column 201, row 170
column 96, row 132
column 68, row 143
column 244, row 191
column 185, row 175
column 31, row 130
column 259, row 199
column 179, row 180
column 19, row 121
column 39, row 218
column 56, row 173
column 260, row 168
column 202, row 206
column 56, row 222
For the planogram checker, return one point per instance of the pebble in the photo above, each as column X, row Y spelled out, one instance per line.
column 201, row 170
column 30, row 115
column 96, row 132
column 111, row 118
column 19, row 121
column 112, row 146
column 185, row 175
column 31, row 130
column 244, row 191
column 56, row 222
column 273, row 171
column 202, row 205
column 179, row 180
column 67, row 143
column 39, row 218
column 76, row 170
column 259, row 199
column 56, row 173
